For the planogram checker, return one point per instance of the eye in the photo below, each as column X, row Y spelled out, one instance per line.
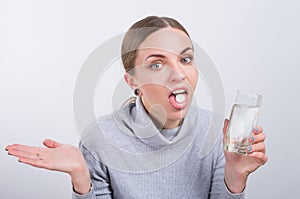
column 156, row 66
column 187, row 59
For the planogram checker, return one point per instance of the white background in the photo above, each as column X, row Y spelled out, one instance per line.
column 254, row 44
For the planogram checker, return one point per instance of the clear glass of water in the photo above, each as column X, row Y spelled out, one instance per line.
column 242, row 121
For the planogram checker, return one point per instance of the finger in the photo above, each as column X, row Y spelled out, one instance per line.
column 255, row 138
column 8, row 147
column 260, row 157
column 51, row 143
column 23, row 154
column 257, row 130
column 258, row 147
column 29, row 149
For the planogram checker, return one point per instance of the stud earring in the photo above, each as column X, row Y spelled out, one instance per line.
column 137, row 92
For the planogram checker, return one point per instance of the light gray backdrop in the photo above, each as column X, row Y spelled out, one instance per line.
column 255, row 46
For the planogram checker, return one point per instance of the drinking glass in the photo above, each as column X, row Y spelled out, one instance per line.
column 242, row 121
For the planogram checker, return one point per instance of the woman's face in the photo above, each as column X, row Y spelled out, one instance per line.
column 165, row 75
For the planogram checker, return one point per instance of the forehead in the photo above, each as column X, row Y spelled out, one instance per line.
column 169, row 39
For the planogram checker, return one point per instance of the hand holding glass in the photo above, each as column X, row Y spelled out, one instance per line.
column 242, row 121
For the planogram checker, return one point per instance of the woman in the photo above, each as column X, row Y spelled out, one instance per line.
column 157, row 54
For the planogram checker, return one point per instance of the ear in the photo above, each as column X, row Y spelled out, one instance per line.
column 130, row 81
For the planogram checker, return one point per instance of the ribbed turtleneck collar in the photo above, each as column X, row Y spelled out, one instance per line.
column 137, row 122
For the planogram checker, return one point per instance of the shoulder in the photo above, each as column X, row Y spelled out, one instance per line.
column 101, row 124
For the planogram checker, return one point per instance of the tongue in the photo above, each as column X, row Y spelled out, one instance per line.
column 177, row 101
column 180, row 98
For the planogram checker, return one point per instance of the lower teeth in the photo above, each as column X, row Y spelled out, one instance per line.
column 180, row 98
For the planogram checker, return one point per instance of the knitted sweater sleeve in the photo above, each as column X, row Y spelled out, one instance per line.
column 99, row 177
column 219, row 189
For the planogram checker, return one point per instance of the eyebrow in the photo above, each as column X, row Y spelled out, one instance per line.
column 162, row 56
column 187, row 49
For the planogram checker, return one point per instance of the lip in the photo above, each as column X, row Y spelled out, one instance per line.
column 179, row 106
column 179, row 88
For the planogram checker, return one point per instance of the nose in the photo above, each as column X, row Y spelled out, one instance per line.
column 176, row 73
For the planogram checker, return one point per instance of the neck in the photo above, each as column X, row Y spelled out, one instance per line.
column 159, row 117
column 162, row 123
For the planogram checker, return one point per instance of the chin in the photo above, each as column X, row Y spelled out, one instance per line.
column 177, row 115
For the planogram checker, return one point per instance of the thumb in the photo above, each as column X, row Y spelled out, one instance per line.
column 226, row 121
column 51, row 143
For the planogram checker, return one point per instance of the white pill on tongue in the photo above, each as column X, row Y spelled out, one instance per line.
column 180, row 98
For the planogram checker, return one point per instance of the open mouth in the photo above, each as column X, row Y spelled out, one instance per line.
column 178, row 98
column 180, row 95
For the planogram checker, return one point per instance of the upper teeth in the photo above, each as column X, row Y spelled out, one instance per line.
column 179, row 92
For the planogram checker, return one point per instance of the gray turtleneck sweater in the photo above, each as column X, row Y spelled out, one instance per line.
column 129, row 158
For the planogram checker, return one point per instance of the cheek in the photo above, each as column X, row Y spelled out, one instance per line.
column 192, row 77
column 153, row 92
